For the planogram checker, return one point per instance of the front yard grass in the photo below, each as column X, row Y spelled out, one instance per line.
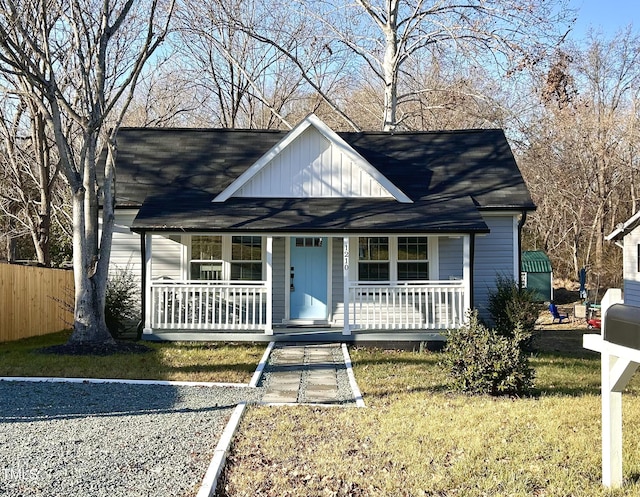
column 416, row 439
column 187, row 361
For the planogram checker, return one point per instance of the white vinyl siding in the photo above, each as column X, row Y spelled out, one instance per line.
column 312, row 167
column 125, row 250
column 451, row 255
column 279, row 280
column 630, row 265
column 337, row 282
column 494, row 256
column 125, row 246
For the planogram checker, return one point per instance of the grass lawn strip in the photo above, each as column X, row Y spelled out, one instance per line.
column 171, row 361
column 415, row 438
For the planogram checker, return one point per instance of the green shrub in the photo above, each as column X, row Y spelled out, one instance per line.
column 513, row 308
column 482, row 361
column 122, row 303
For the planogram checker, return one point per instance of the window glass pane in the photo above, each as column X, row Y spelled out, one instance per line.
column 373, row 271
column 206, row 248
column 413, row 271
column 246, row 248
column 373, row 248
column 308, row 242
column 206, row 270
column 412, row 248
column 246, row 271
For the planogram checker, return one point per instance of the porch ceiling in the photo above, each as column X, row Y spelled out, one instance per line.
column 193, row 211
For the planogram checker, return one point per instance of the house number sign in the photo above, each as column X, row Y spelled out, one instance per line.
column 346, row 255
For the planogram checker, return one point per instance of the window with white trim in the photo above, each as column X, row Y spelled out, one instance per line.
column 206, row 261
column 413, row 258
column 246, row 258
column 373, row 258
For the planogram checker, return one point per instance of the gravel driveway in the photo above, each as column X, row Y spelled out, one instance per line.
column 80, row 439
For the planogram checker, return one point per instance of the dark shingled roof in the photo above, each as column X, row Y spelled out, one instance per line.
column 174, row 174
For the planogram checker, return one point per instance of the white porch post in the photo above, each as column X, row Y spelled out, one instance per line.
column 466, row 271
column 346, row 330
column 269, row 317
column 147, row 283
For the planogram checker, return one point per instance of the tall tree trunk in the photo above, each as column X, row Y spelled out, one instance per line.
column 90, row 291
column 390, row 67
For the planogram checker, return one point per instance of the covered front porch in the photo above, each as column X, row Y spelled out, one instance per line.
column 305, row 286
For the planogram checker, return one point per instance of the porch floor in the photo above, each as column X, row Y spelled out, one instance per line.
column 299, row 334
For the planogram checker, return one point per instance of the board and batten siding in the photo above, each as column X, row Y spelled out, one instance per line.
column 495, row 255
column 312, row 167
column 631, row 275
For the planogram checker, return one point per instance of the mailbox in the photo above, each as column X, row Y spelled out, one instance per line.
column 622, row 326
column 619, row 347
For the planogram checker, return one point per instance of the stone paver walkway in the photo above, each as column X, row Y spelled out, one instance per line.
column 304, row 374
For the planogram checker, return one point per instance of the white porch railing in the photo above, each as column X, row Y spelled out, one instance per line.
column 207, row 305
column 413, row 305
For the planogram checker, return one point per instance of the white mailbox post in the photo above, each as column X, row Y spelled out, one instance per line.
column 619, row 346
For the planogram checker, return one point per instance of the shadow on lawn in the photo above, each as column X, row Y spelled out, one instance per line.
column 563, row 366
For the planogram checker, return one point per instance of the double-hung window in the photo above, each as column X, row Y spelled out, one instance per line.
column 206, row 257
column 403, row 258
column 413, row 258
column 246, row 258
column 373, row 258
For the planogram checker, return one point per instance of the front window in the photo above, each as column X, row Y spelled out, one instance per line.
column 413, row 258
column 206, row 257
column 373, row 258
column 246, row 258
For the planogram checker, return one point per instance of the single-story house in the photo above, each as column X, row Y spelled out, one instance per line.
column 254, row 233
column 627, row 236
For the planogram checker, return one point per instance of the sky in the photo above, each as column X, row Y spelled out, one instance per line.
column 608, row 16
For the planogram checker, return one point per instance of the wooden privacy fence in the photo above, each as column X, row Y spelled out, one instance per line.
column 31, row 301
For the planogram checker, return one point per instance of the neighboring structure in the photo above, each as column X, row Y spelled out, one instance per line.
column 537, row 274
column 251, row 231
column 627, row 236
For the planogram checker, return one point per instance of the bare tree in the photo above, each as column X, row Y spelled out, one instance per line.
column 242, row 82
column 581, row 162
column 84, row 58
column 386, row 35
column 30, row 187
column 261, row 61
column 165, row 96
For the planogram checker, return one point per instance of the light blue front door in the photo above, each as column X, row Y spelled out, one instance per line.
column 308, row 278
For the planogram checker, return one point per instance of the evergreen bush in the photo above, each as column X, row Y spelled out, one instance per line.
column 122, row 302
column 513, row 308
column 481, row 360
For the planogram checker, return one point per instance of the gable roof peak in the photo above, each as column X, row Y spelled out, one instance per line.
column 334, row 155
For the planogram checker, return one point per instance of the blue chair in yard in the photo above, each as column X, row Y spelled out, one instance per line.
column 556, row 314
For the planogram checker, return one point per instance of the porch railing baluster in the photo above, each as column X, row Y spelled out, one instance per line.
column 406, row 305
column 215, row 305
